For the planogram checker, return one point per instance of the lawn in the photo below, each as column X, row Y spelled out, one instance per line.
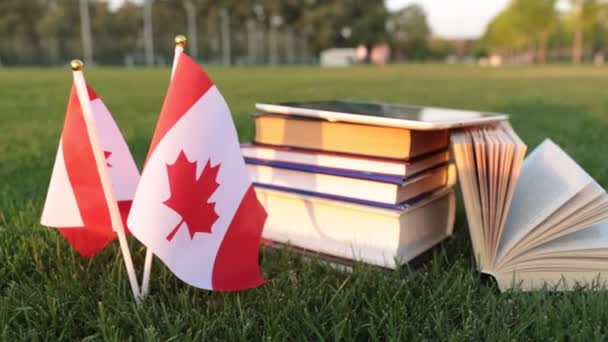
column 47, row 292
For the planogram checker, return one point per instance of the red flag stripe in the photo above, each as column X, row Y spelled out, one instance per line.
column 86, row 184
column 92, row 94
column 188, row 85
column 236, row 264
column 86, row 242
column 125, row 207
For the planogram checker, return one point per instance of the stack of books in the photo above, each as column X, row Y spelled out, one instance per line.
column 354, row 191
column 373, row 182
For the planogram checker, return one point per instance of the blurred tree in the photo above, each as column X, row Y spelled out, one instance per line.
column 50, row 28
column 501, row 35
column 586, row 14
column 536, row 20
column 535, row 26
column 440, row 48
column 599, row 31
column 19, row 38
column 409, row 32
column 523, row 24
column 47, row 31
column 344, row 22
column 117, row 34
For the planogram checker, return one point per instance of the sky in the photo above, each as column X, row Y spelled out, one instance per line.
column 448, row 18
column 455, row 18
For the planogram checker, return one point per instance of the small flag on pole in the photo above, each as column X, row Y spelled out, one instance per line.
column 82, row 200
column 76, row 203
column 195, row 206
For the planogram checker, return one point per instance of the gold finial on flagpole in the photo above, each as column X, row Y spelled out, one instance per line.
column 76, row 65
column 180, row 40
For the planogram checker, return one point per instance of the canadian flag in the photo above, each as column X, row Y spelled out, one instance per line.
column 76, row 203
column 195, row 206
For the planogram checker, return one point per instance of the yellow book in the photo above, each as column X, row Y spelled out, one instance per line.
column 345, row 137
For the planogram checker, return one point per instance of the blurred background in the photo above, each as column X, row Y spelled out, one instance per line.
column 327, row 32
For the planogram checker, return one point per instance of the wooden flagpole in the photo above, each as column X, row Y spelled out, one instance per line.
column 106, row 183
column 180, row 42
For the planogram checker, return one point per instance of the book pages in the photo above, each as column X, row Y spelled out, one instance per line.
column 535, row 223
column 591, row 241
column 463, row 157
column 559, row 279
column 488, row 160
column 588, row 207
column 549, row 178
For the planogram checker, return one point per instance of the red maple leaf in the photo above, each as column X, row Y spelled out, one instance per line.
column 190, row 195
column 106, row 155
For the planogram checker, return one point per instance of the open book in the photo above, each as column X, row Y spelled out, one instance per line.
column 532, row 223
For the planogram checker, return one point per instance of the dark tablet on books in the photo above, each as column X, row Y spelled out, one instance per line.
column 384, row 114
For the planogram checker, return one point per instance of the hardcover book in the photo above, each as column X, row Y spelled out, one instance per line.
column 349, row 184
column 345, row 137
column 353, row 162
column 362, row 181
column 383, row 236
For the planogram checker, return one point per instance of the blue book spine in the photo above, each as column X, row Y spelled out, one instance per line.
column 397, row 207
column 376, row 177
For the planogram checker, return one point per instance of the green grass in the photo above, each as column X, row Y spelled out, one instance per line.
column 47, row 292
